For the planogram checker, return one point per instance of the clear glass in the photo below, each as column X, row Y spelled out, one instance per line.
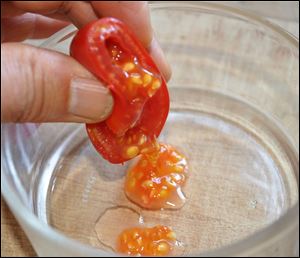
column 234, row 114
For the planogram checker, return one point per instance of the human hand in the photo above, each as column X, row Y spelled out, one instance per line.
column 39, row 85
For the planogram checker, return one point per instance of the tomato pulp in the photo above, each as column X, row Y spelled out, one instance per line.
column 156, row 241
column 155, row 181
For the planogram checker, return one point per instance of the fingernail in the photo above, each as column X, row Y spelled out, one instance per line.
column 159, row 57
column 89, row 99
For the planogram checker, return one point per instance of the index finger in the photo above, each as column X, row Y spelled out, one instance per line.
column 135, row 14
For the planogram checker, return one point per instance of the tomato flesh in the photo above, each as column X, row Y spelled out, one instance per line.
column 156, row 241
column 139, row 84
column 155, row 181
column 141, row 102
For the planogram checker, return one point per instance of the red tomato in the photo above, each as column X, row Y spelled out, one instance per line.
column 141, row 101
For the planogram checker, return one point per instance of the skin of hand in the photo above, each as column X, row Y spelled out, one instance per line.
column 39, row 85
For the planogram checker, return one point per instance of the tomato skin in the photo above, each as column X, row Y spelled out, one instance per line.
column 136, row 111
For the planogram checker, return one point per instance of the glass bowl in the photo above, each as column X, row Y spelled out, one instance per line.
column 234, row 114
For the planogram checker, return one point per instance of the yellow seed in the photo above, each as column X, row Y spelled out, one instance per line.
column 156, row 84
column 132, row 151
column 178, row 169
column 157, row 145
column 147, row 78
column 132, row 183
column 163, row 247
column 135, row 235
column 114, row 52
column 171, row 235
column 131, row 245
column 151, row 92
column 142, row 139
column 139, row 241
column 163, row 193
column 145, row 150
column 147, row 184
column 128, row 67
column 136, row 79
column 152, row 193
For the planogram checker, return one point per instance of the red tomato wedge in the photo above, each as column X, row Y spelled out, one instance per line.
column 111, row 52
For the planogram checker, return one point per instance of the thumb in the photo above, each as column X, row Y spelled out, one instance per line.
column 39, row 85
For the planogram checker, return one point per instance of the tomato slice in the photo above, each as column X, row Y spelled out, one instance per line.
column 141, row 101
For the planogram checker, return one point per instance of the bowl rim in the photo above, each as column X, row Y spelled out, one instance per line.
column 250, row 244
